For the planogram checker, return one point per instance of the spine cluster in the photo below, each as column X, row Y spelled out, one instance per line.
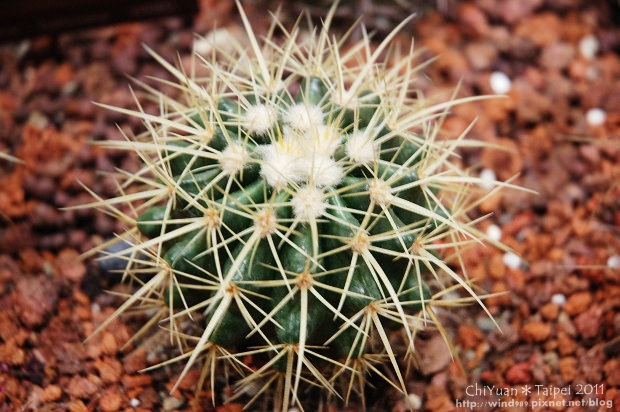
column 294, row 205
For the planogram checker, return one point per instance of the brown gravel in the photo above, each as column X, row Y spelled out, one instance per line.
column 559, row 314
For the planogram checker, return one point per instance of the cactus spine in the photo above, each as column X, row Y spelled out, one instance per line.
column 293, row 205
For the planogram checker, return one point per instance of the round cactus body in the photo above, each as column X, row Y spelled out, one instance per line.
column 294, row 205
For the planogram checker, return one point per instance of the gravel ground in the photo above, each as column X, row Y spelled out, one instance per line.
column 558, row 63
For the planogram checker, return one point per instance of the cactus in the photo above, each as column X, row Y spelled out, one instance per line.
column 296, row 205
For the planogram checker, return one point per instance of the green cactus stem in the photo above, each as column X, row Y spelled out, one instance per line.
column 295, row 205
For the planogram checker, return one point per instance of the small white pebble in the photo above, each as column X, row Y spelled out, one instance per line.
column 485, row 324
column 134, row 403
column 588, row 46
column 38, row 119
column 500, row 83
column 596, row 116
column 414, row 402
column 22, row 49
column 451, row 296
column 95, row 308
column 511, row 260
column 218, row 39
column 614, row 261
column 559, row 299
column 488, row 178
column 494, row 233
column 171, row 403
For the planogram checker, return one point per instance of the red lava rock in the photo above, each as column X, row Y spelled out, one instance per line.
column 80, row 108
column 481, row 55
column 148, row 397
column 230, row 407
column 12, row 198
column 577, row 303
column 535, row 332
column 469, row 336
column 40, row 187
column 44, row 215
column 496, row 110
column 81, row 387
column 8, row 328
column 517, row 223
column 512, row 11
column 491, row 203
column 473, row 20
column 519, row 373
column 136, row 381
column 188, row 382
column 557, row 56
column 588, row 323
column 503, row 295
column 110, row 369
column 505, row 162
column 108, row 343
column 591, row 365
column 71, row 358
column 550, row 311
column 77, row 406
column 135, row 361
column 542, row 29
column 453, row 63
column 440, row 401
column 10, row 354
column 531, row 105
column 479, row 353
column 496, row 266
column 63, row 74
column 51, row 393
column 568, row 368
column 70, row 265
column 436, row 355
column 612, row 372
column 110, row 402
column 34, row 298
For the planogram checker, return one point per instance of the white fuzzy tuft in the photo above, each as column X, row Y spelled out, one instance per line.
column 326, row 140
column 308, row 203
column 280, row 165
column 321, row 170
column 361, row 148
column 380, row 192
column 265, row 222
column 259, row 118
column 303, row 117
column 234, row 158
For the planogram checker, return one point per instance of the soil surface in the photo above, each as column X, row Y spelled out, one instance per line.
column 556, row 60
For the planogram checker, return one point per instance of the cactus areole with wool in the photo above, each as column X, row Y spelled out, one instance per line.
column 295, row 204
